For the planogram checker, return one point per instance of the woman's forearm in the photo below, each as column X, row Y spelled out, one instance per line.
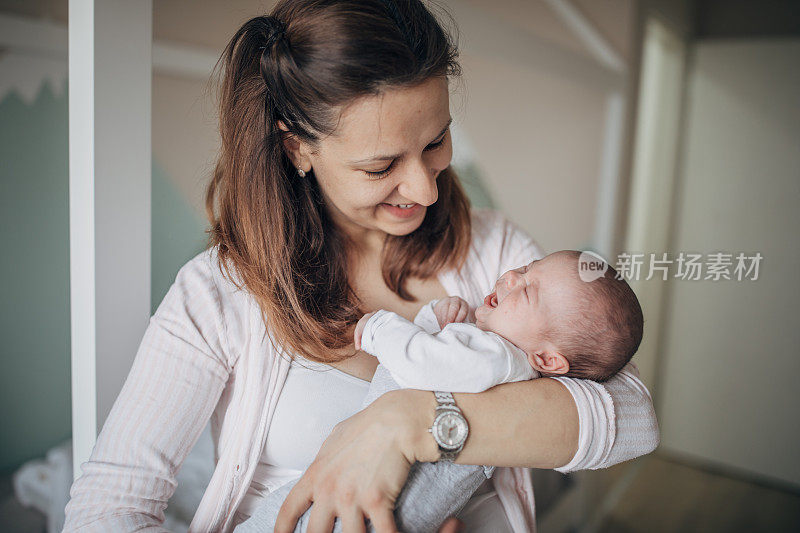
column 532, row 424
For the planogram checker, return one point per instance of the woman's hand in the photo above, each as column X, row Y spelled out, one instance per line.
column 452, row 525
column 361, row 468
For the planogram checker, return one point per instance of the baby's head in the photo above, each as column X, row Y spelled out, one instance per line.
column 567, row 326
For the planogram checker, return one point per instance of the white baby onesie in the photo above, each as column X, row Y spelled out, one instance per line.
column 459, row 358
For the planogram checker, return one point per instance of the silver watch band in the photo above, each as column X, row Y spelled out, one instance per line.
column 449, row 456
column 446, row 402
column 445, row 399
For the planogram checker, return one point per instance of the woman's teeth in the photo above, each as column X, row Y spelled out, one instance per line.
column 404, row 211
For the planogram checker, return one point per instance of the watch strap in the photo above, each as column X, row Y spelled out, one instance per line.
column 448, row 455
column 446, row 402
column 445, row 399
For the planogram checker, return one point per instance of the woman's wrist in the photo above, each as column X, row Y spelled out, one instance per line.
column 413, row 413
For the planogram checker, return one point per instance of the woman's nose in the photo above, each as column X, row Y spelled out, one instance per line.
column 420, row 186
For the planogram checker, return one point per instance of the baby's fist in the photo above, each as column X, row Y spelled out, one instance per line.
column 362, row 323
column 451, row 309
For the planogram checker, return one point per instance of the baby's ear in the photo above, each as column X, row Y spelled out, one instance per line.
column 548, row 361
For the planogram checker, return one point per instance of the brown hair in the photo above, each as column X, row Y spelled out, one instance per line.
column 301, row 65
column 600, row 334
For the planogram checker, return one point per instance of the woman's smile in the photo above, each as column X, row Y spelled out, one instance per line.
column 403, row 211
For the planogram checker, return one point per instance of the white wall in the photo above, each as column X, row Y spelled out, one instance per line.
column 534, row 106
column 538, row 141
column 729, row 392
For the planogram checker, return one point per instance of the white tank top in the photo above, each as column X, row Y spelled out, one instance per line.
column 314, row 398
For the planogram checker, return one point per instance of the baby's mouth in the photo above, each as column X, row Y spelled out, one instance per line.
column 491, row 300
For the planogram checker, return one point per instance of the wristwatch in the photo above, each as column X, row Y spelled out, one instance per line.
column 450, row 428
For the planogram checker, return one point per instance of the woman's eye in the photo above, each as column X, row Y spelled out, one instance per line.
column 385, row 171
column 380, row 173
column 434, row 146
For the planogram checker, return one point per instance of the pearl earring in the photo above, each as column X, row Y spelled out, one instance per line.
column 301, row 172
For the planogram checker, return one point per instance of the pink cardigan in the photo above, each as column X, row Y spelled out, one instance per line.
column 206, row 353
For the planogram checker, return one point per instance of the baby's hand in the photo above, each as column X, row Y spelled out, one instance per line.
column 451, row 309
column 362, row 323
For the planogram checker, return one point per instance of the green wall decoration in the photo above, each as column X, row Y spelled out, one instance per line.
column 34, row 313
column 178, row 234
column 35, row 413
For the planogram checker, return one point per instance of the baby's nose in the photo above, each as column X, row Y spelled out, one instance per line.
column 512, row 279
column 506, row 283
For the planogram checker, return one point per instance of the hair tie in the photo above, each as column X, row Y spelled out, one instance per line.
column 278, row 31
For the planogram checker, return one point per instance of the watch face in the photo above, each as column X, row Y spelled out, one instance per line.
column 450, row 430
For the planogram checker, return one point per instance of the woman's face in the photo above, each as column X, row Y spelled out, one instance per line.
column 387, row 151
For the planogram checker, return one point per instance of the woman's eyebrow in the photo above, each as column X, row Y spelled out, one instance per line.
column 395, row 156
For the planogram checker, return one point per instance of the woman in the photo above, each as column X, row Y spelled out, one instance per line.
column 333, row 197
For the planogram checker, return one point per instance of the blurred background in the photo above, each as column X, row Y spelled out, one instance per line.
column 619, row 126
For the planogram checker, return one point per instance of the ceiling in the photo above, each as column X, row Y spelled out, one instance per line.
column 210, row 23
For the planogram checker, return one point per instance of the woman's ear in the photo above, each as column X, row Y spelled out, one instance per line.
column 296, row 149
column 548, row 362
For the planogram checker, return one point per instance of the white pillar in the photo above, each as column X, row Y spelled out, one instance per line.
column 654, row 174
column 605, row 228
column 110, row 45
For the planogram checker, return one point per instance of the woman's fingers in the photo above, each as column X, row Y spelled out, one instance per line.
column 360, row 468
column 353, row 521
column 452, row 525
column 321, row 520
column 382, row 519
column 296, row 503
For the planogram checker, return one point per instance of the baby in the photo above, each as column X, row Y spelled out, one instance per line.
column 541, row 320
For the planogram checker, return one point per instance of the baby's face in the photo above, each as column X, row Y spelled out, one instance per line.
column 525, row 299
